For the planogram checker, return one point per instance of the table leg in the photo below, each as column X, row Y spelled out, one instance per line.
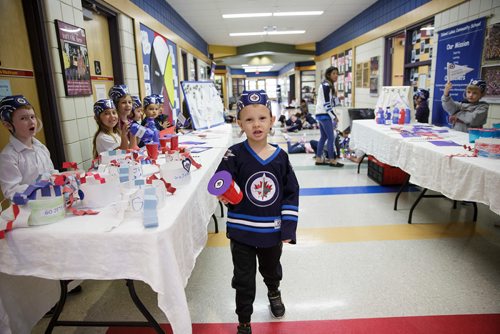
column 142, row 308
column 216, row 223
column 54, row 322
column 221, row 209
column 415, row 204
column 59, row 306
column 361, row 161
column 403, row 186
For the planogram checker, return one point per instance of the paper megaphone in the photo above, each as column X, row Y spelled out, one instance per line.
column 223, row 185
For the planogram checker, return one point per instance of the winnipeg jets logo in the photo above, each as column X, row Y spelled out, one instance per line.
column 261, row 189
column 254, row 97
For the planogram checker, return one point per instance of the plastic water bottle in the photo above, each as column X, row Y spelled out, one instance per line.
column 380, row 116
column 402, row 116
column 387, row 116
column 407, row 116
column 395, row 116
column 143, row 133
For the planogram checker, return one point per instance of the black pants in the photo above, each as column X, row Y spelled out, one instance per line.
column 245, row 265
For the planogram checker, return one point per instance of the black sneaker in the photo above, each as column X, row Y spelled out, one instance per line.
column 277, row 306
column 244, row 329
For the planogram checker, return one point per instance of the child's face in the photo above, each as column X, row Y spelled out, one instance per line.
column 256, row 121
column 151, row 110
column 109, row 118
column 124, row 106
column 473, row 95
column 24, row 123
column 138, row 114
column 334, row 76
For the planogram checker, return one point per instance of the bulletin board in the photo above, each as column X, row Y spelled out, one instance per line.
column 160, row 69
column 204, row 104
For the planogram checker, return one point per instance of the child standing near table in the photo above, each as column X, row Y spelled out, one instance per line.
column 24, row 158
column 124, row 106
column 469, row 113
column 137, row 111
column 108, row 136
column 422, row 106
column 268, row 214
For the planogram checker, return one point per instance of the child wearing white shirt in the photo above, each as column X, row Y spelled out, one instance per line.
column 108, row 136
column 24, row 158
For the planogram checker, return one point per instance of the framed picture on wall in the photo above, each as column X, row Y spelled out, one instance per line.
column 74, row 59
column 491, row 74
column 492, row 43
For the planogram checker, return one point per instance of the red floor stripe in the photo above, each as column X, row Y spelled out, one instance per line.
column 444, row 324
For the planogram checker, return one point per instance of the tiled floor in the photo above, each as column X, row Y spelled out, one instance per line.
column 355, row 258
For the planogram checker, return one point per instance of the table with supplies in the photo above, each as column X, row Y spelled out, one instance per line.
column 34, row 259
column 439, row 159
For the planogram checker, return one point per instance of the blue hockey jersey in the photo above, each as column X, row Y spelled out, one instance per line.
column 269, row 210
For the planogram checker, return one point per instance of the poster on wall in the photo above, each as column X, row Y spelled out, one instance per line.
column 204, row 104
column 460, row 45
column 491, row 75
column 74, row 59
column 159, row 64
column 492, row 43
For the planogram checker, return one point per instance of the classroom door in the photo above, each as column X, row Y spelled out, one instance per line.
column 100, row 58
column 397, row 58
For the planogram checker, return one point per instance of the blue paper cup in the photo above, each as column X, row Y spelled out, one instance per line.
column 473, row 134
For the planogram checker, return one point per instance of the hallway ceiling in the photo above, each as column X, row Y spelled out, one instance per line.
column 206, row 18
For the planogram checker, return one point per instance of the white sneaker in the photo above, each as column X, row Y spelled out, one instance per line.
column 287, row 137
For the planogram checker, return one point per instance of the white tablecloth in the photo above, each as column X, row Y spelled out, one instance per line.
column 458, row 178
column 79, row 248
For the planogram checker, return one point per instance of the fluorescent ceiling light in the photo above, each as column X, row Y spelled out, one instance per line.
column 263, row 33
column 317, row 12
column 235, row 16
column 257, row 68
column 233, row 34
column 244, row 15
column 286, row 32
column 427, row 28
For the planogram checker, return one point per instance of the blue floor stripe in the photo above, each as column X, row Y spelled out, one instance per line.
column 352, row 190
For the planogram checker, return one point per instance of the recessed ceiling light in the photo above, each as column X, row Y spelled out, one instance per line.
column 235, row 16
column 317, row 12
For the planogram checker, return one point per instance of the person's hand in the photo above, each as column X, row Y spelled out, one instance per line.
column 453, row 119
column 222, row 199
column 287, row 241
column 447, row 88
column 166, row 124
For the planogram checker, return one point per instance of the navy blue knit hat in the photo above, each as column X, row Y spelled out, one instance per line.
column 160, row 99
column 9, row 104
column 423, row 94
column 102, row 105
column 136, row 102
column 253, row 97
column 478, row 83
column 118, row 91
column 150, row 99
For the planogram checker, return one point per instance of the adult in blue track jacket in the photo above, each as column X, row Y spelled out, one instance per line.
column 268, row 214
column 326, row 101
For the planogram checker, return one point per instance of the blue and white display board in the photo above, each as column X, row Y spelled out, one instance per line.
column 460, row 45
column 204, row 104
